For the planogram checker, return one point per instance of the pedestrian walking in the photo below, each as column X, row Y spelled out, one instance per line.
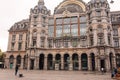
column 16, row 69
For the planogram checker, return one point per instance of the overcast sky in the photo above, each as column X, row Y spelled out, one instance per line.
column 12, row 11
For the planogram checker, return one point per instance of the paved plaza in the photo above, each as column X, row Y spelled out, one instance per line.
column 6, row 74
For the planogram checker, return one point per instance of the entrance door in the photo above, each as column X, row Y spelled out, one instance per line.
column 41, row 61
column 11, row 65
column 32, row 64
column 102, row 63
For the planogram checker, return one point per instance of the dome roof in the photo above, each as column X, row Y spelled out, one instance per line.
column 72, row 6
column 22, row 25
column 94, row 1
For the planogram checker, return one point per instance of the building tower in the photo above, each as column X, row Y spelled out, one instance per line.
column 100, row 32
column 37, row 32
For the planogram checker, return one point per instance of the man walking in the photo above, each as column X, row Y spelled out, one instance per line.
column 16, row 69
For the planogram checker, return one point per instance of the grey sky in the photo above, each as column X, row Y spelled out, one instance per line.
column 12, row 11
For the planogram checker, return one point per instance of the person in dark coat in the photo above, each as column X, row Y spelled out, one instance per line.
column 16, row 69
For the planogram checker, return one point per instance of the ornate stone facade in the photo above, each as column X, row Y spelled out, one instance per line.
column 78, row 36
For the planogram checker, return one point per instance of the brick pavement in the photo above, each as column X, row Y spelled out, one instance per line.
column 6, row 74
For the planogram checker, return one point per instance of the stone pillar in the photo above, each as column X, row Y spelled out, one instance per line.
column 53, row 61
column 45, row 62
column 96, row 63
column 28, row 64
column 62, row 62
column 71, row 63
column 79, row 58
column 114, row 61
column 30, row 44
column 107, row 63
column 22, row 60
column 38, row 39
column 95, row 37
column 37, row 62
column 89, row 63
column 106, row 37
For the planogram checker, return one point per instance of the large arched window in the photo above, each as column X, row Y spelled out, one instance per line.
column 50, row 62
column 84, row 61
column 75, row 61
column 18, row 60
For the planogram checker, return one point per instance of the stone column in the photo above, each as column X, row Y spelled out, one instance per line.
column 106, row 37
column 38, row 39
column 89, row 63
column 96, row 63
column 62, row 62
column 21, row 67
column 37, row 62
column 95, row 37
column 28, row 64
column 45, row 62
column 107, row 63
column 79, row 58
column 30, row 40
column 71, row 63
column 53, row 61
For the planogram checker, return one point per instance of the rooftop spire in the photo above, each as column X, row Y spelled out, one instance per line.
column 41, row 2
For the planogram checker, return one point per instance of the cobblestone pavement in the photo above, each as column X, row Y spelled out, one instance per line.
column 6, row 74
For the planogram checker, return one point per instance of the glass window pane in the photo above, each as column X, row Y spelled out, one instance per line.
column 74, row 20
column 66, row 20
column 66, row 29
column 83, row 29
column 74, row 30
column 51, row 22
column 59, row 21
column 51, row 31
column 58, row 30
column 82, row 19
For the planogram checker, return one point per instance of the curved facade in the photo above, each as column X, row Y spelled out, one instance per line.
column 78, row 36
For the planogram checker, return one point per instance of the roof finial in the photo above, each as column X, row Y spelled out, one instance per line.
column 41, row 2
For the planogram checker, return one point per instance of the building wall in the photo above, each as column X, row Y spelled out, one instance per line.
column 38, row 53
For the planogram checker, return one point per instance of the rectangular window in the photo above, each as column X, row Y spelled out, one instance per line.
column 74, row 19
column 66, row 20
column 20, row 37
column 74, row 30
column 58, row 30
column 51, row 22
column 83, row 19
column 50, row 31
column 116, row 43
column 83, row 28
column 12, row 46
column 19, row 46
column 13, row 37
column 59, row 21
column 98, row 13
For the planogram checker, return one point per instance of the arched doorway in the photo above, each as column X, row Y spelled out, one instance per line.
column 66, row 61
column 92, row 56
column 41, row 61
column 58, row 60
column 75, row 61
column 18, row 60
column 32, row 64
column 84, row 61
column 11, row 60
column 118, row 60
column 50, row 62
column 111, row 59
